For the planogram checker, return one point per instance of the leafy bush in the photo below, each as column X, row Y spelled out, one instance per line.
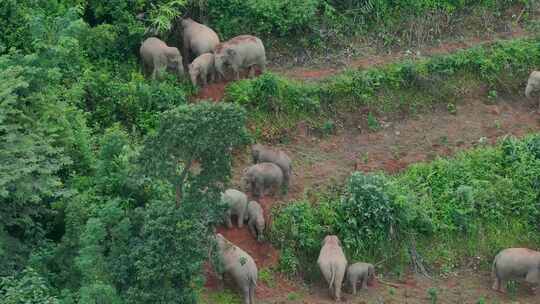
column 270, row 18
column 298, row 229
column 274, row 94
column 136, row 103
column 28, row 287
column 366, row 213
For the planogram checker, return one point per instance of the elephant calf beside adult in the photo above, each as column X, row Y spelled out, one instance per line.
column 156, row 57
column 197, row 39
column 241, row 52
column 201, row 69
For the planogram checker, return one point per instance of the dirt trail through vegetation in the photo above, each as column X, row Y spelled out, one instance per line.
column 215, row 91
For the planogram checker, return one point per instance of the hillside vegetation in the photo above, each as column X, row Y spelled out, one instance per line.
column 109, row 183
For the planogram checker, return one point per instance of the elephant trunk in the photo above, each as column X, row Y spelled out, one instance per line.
column 193, row 79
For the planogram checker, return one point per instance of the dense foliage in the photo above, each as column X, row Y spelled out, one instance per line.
column 488, row 198
column 88, row 212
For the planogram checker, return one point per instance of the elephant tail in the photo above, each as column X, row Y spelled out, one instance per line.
column 332, row 275
column 494, row 269
column 253, row 281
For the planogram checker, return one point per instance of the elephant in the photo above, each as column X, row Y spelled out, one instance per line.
column 241, row 52
column 256, row 220
column 237, row 202
column 260, row 177
column 197, row 39
column 333, row 264
column 533, row 85
column 157, row 56
column 515, row 263
column 202, row 68
column 239, row 265
column 360, row 272
column 262, row 153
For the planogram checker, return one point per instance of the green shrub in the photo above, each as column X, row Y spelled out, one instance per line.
column 274, row 94
column 366, row 213
column 298, row 229
column 269, row 18
column 136, row 103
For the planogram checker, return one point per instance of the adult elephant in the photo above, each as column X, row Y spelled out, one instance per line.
column 533, row 85
column 333, row 264
column 157, row 57
column 197, row 39
column 239, row 265
column 241, row 52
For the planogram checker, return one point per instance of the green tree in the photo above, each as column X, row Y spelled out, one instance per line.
column 202, row 134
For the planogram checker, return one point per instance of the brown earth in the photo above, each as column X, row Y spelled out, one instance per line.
column 320, row 162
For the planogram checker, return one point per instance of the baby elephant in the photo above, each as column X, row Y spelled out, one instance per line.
column 332, row 263
column 255, row 220
column 202, row 68
column 157, row 56
column 262, row 153
column 533, row 85
column 261, row 177
column 360, row 272
column 237, row 202
column 240, row 266
column 515, row 263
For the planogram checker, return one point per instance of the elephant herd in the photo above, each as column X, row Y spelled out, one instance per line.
column 273, row 169
column 205, row 58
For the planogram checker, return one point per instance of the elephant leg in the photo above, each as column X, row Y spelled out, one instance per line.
column 252, row 294
column 251, row 71
column 260, row 189
column 213, row 77
column 496, row 284
column 502, row 286
column 338, row 281
column 228, row 221
column 364, row 282
column 251, row 226
column 236, row 74
column 240, row 219
column 245, row 293
column 538, row 110
column 203, row 80
column 353, row 286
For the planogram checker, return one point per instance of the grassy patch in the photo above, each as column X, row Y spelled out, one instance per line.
column 225, row 296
